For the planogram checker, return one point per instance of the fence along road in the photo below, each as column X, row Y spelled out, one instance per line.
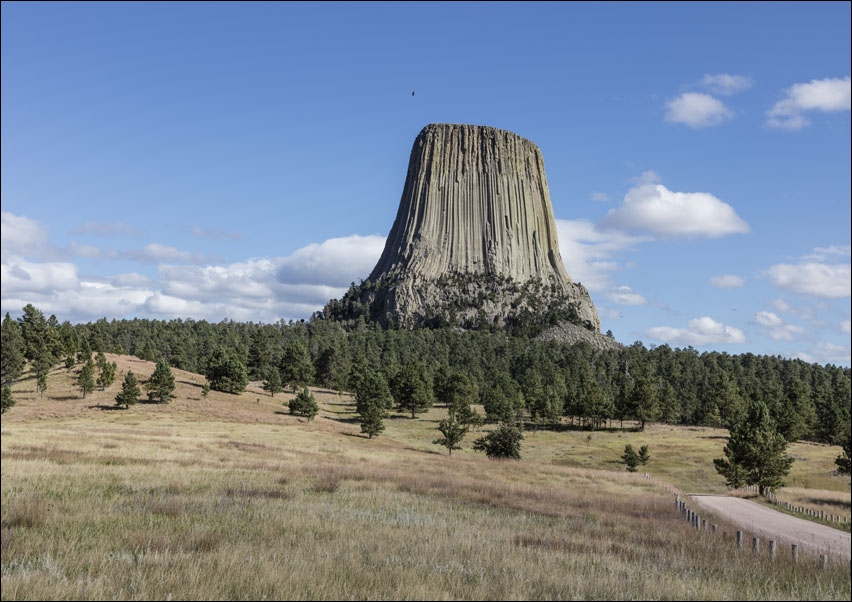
column 771, row 524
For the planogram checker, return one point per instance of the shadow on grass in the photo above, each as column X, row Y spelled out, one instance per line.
column 107, row 408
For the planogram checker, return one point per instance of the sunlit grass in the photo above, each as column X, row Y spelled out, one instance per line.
column 231, row 497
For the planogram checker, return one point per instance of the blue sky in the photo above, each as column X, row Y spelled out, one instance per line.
column 246, row 160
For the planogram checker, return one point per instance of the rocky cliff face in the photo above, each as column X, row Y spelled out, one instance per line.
column 474, row 241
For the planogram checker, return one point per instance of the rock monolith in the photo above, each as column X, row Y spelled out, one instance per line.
column 474, row 242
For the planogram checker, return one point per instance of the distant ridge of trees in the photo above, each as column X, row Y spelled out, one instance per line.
column 547, row 384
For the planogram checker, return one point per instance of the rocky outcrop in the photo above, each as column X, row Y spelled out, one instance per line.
column 474, row 241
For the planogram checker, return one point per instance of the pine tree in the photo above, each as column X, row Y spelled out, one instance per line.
column 843, row 460
column 453, row 432
column 86, row 380
column 630, row 458
column 226, row 371
column 107, row 375
column 372, row 398
column 6, row 399
column 12, row 352
column 505, row 442
column 162, row 382
column 644, row 455
column 129, row 391
column 272, row 382
column 304, row 404
column 756, row 453
column 297, row 369
column 411, row 390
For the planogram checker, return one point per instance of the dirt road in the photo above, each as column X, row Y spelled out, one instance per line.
column 767, row 524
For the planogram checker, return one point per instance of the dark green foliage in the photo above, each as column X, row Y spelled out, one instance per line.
column 226, row 371
column 85, row 352
column 630, row 458
column 843, row 460
column 756, row 453
column 205, row 390
column 505, row 442
column 69, row 362
column 453, row 432
column 411, row 389
column 372, row 399
column 107, row 374
column 644, row 455
column 454, row 389
column 304, row 404
column 272, row 381
column 808, row 401
column 12, row 353
column 162, row 382
column 6, row 399
column 86, row 380
column 130, row 392
column 297, row 369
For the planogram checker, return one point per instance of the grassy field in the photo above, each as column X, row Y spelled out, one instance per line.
column 230, row 497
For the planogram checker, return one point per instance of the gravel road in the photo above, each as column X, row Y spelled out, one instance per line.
column 767, row 524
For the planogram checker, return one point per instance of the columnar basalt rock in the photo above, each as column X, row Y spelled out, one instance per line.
column 474, row 241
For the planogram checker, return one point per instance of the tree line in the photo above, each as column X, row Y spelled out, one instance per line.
column 545, row 384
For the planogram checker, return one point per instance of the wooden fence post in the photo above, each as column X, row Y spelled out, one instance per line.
column 795, row 550
column 772, row 548
column 739, row 540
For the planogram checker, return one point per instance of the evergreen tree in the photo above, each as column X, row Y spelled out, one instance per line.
column 34, row 332
column 107, row 374
column 304, row 404
column 645, row 405
column 843, row 460
column 372, row 419
column 411, row 390
column 372, row 399
column 130, row 392
column 644, row 455
column 69, row 362
column 226, row 371
column 85, row 352
column 756, row 453
column 162, row 382
column 86, row 380
column 297, row 369
column 12, row 358
column 272, row 382
column 6, row 399
column 205, row 390
column 505, row 442
column 453, row 432
column 630, row 458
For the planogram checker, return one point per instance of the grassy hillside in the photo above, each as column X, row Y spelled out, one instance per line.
column 231, row 497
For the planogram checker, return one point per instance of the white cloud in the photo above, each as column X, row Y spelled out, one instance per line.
column 725, row 83
column 846, row 326
column 775, row 328
column 199, row 232
column 823, row 253
column 698, row 332
column 667, row 214
column 828, row 95
column 588, row 252
column 600, row 197
column 727, row 281
column 697, row 110
column 833, row 281
column 20, row 235
column 624, row 295
column 337, row 261
column 21, row 277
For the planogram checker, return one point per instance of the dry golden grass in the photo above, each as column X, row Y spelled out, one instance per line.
column 230, row 497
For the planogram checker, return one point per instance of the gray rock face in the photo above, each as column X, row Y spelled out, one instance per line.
column 474, row 239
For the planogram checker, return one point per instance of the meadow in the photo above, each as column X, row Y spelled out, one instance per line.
column 230, row 497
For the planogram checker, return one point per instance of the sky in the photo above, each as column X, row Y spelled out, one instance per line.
column 245, row 161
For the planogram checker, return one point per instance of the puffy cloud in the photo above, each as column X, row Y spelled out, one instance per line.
column 588, row 252
column 624, row 295
column 833, row 281
column 698, row 332
column 665, row 213
column 826, row 95
column 697, row 110
column 21, row 277
column 21, row 235
column 727, row 281
column 775, row 328
column 337, row 261
column 725, row 83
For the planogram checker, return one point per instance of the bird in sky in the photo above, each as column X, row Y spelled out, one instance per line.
column 412, row 92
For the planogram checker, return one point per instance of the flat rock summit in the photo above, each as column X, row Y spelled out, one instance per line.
column 474, row 242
